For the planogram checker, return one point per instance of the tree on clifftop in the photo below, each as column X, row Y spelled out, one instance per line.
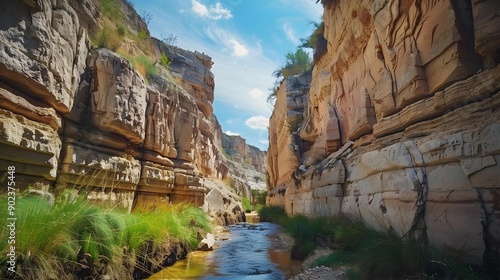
column 296, row 63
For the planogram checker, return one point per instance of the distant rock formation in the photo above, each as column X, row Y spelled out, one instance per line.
column 72, row 115
column 400, row 126
column 239, row 151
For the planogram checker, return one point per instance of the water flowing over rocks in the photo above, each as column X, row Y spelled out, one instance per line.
column 72, row 115
column 398, row 125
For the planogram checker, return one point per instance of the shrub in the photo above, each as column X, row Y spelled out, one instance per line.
column 316, row 41
column 142, row 35
column 107, row 38
column 273, row 214
column 111, row 9
column 295, row 63
column 165, row 61
column 246, row 204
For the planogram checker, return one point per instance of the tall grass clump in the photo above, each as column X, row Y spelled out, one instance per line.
column 73, row 236
column 143, row 64
column 245, row 202
column 51, row 239
column 380, row 255
column 273, row 214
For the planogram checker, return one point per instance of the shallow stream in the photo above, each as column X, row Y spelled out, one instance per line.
column 244, row 252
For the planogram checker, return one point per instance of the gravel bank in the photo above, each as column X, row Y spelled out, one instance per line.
column 321, row 273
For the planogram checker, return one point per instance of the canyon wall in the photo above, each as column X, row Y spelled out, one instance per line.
column 239, row 151
column 72, row 115
column 400, row 124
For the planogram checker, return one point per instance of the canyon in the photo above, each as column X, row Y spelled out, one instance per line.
column 76, row 115
column 398, row 124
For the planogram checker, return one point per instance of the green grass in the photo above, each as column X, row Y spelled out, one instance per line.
column 273, row 214
column 111, row 9
column 245, row 202
column 143, row 64
column 370, row 254
column 51, row 240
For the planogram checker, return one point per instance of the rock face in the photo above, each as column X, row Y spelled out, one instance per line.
column 72, row 115
column 400, row 126
column 239, row 151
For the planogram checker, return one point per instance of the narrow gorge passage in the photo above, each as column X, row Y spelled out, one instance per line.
column 243, row 251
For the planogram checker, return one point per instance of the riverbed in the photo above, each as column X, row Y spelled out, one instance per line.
column 242, row 251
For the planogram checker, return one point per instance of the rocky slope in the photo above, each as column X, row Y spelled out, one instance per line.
column 399, row 126
column 76, row 115
column 239, row 151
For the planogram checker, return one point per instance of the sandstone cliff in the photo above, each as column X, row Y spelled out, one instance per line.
column 399, row 126
column 239, row 151
column 76, row 115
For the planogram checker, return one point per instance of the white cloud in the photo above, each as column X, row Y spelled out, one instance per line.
column 230, row 133
column 265, row 142
column 219, row 12
column 199, row 8
column 290, row 33
column 232, row 82
column 238, row 49
column 214, row 12
column 257, row 94
column 257, row 122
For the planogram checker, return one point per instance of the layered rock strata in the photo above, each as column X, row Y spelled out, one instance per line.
column 239, row 151
column 72, row 115
column 400, row 125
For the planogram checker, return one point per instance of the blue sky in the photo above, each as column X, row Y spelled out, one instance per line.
column 247, row 40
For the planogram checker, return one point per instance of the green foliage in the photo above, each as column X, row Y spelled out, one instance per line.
column 111, row 9
column 373, row 254
column 326, row 3
column 246, row 204
column 273, row 91
column 226, row 154
column 50, row 240
column 148, row 64
column 143, row 64
column 259, row 196
column 106, row 38
column 295, row 63
column 122, row 30
column 273, row 214
column 165, row 61
column 316, row 41
column 142, row 35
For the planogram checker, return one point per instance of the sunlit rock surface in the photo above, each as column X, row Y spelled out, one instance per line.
column 400, row 126
column 72, row 115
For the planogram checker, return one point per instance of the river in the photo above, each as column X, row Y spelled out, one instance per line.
column 244, row 251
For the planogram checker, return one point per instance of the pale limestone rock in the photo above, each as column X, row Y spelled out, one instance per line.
column 486, row 25
column 119, row 96
column 403, row 81
column 32, row 147
column 241, row 152
column 90, row 166
column 160, row 116
column 191, row 70
column 221, row 204
column 43, row 49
